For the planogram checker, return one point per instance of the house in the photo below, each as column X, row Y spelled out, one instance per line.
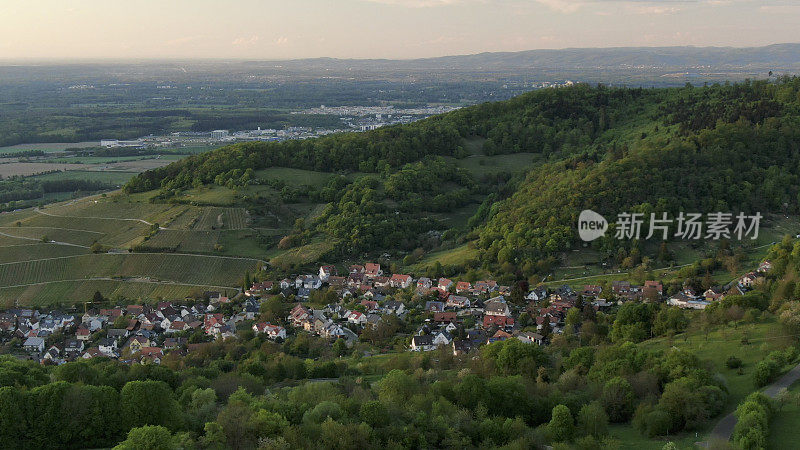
column 370, row 305
column 373, row 320
column 462, row 347
column 372, row 270
column 422, row 343
column 381, row 282
column 83, row 333
column 93, row 352
column 53, row 354
column 463, row 286
column 538, row 294
column 434, row 306
column 337, row 282
column 457, row 301
column 445, row 284
column 750, row 279
column 176, row 326
column 134, row 310
column 531, row 338
column 73, row 346
column 298, row 315
column 424, row 283
column 251, row 309
column 683, row 299
column 714, row 293
column 442, row 338
column 107, row 347
column 356, row 269
column 499, row 335
column 34, row 344
column 496, row 306
column 654, row 285
column 591, row 291
column 136, row 343
column 272, row 331
column 303, row 293
column 259, row 289
column 394, row 307
column 286, row 284
column 497, row 320
column 325, row 272
column 445, row 317
column 152, row 354
column 171, row 343
column 357, row 318
column 7, row 326
column 216, row 297
column 399, row 281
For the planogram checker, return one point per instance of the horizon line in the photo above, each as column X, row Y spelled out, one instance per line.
column 107, row 59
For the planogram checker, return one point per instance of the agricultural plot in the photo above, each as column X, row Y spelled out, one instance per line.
column 186, row 241
column 71, row 236
column 32, row 251
column 180, row 268
column 70, row 292
column 217, row 218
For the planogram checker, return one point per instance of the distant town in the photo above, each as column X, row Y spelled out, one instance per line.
column 353, row 118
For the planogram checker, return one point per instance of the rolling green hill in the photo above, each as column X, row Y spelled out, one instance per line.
column 719, row 148
column 493, row 189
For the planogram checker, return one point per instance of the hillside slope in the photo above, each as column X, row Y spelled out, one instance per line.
column 721, row 148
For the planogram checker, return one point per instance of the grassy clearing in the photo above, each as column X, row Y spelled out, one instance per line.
column 302, row 255
column 294, row 177
column 481, row 165
column 454, row 256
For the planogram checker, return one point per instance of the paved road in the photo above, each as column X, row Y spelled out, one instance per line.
column 724, row 428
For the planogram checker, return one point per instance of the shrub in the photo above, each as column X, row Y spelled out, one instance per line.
column 733, row 362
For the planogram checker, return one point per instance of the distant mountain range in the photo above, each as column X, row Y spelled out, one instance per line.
column 779, row 56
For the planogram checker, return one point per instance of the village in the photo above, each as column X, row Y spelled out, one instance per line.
column 458, row 315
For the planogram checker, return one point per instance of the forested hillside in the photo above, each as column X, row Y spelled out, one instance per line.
column 717, row 148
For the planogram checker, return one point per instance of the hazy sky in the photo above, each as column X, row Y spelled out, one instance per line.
column 269, row 29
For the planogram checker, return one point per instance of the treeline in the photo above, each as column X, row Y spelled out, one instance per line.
column 19, row 189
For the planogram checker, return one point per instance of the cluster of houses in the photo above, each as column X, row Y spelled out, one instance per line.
column 688, row 298
column 465, row 315
column 456, row 314
column 143, row 335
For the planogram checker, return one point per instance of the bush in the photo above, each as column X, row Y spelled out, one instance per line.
column 765, row 372
column 561, row 427
column 657, row 423
column 618, row 399
column 733, row 362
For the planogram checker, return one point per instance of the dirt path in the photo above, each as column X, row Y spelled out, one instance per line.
column 45, row 242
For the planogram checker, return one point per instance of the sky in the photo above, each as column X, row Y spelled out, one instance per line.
column 396, row 29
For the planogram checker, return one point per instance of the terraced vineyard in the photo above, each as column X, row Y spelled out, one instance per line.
column 181, row 268
column 63, row 269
